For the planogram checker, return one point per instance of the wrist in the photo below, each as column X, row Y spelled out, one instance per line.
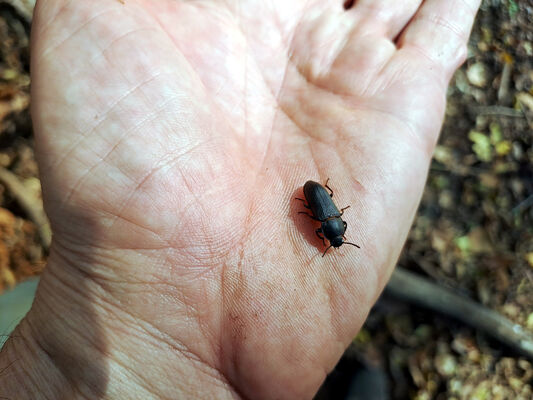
column 74, row 344
column 26, row 372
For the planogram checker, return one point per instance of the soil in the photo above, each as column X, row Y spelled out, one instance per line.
column 473, row 232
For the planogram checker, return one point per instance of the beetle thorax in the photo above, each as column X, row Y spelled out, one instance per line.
column 333, row 230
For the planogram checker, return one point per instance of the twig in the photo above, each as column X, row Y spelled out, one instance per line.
column 23, row 7
column 524, row 205
column 505, row 83
column 29, row 203
column 433, row 271
column 415, row 289
column 498, row 111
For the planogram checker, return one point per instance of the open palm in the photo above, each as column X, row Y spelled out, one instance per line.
column 172, row 138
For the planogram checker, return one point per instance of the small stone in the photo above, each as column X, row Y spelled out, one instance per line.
column 528, row 47
column 511, row 310
column 477, row 74
column 525, row 99
column 443, row 154
column 445, row 364
column 446, row 199
column 483, row 46
column 518, row 152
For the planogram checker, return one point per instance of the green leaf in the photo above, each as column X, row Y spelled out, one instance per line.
column 513, row 8
column 481, row 145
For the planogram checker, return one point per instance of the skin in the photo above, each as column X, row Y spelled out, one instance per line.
column 172, row 137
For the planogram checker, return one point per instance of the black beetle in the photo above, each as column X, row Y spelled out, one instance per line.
column 326, row 212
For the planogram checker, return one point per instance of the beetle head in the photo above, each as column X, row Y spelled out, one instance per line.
column 337, row 241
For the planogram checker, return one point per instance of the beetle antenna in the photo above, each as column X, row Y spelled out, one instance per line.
column 353, row 244
column 327, row 250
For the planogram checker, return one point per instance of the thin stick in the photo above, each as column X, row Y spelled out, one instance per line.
column 29, row 203
column 505, row 82
column 415, row 289
column 498, row 111
column 23, row 7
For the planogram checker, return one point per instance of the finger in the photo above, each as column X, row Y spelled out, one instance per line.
column 439, row 33
column 385, row 17
column 372, row 25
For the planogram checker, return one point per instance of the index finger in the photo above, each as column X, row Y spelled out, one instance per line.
column 438, row 34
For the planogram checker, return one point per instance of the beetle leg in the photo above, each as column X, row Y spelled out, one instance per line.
column 345, row 225
column 318, row 232
column 309, row 215
column 326, row 185
column 342, row 209
column 302, row 200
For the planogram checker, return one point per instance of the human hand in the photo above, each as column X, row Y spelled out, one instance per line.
column 172, row 137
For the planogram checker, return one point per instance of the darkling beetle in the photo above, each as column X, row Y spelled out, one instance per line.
column 324, row 210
